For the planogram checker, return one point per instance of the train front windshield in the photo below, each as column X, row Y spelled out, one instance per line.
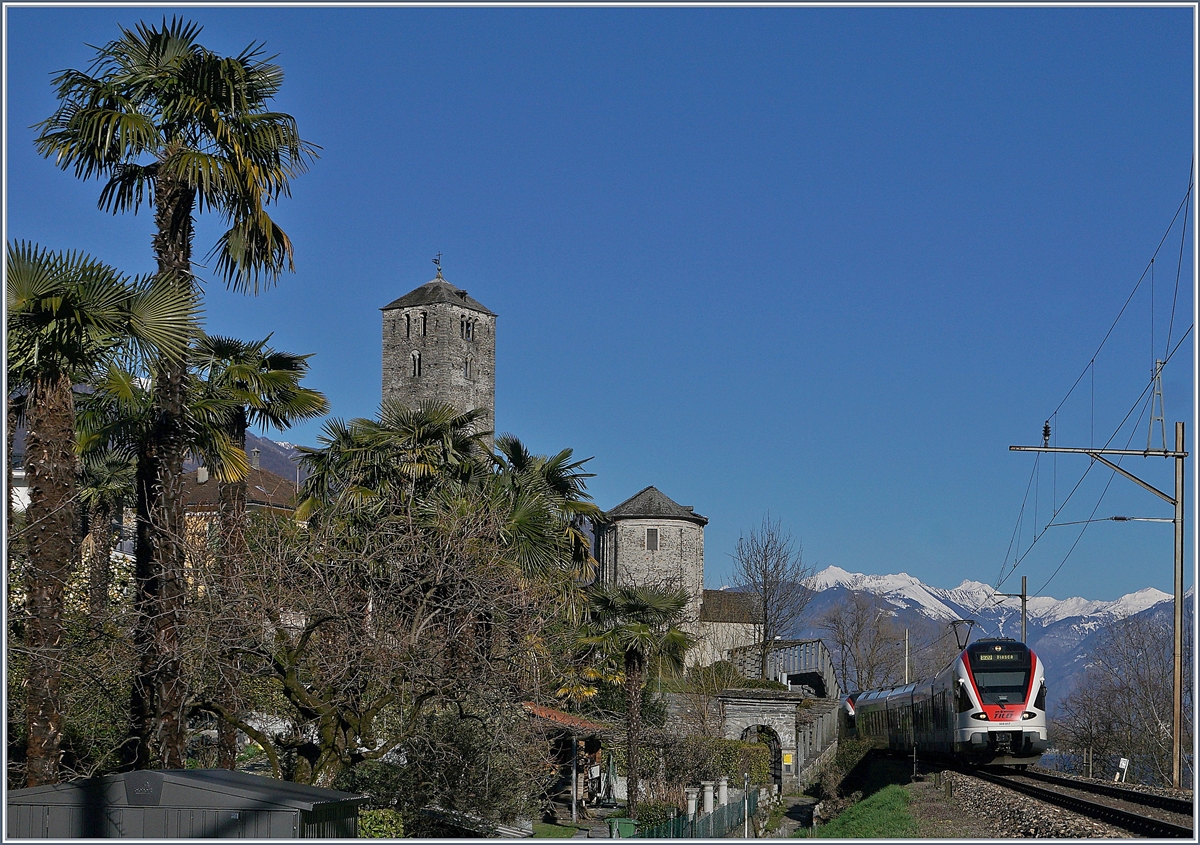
column 1001, row 671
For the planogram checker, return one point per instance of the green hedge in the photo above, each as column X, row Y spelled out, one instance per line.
column 654, row 813
column 735, row 757
column 380, row 824
column 692, row 759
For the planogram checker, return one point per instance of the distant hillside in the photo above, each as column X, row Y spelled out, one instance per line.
column 278, row 457
column 281, row 458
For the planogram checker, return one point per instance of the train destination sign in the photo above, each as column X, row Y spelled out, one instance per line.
column 1001, row 656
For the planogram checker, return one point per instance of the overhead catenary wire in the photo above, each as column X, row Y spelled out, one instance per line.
column 1184, row 202
column 1090, row 369
column 1182, row 241
column 1142, row 398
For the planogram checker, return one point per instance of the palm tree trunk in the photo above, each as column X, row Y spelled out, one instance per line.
column 159, row 724
column 102, row 540
column 635, row 671
column 52, row 545
column 232, row 524
column 11, row 410
column 139, row 753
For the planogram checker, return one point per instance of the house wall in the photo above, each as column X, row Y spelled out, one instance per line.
column 719, row 638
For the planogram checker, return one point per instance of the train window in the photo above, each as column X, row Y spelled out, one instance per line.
column 964, row 699
column 1002, row 687
column 1040, row 701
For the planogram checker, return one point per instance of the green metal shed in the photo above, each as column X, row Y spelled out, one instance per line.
column 182, row 804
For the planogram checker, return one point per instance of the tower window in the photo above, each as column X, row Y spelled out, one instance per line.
column 469, row 369
column 416, row 365
column 652, row 539
column 424, row 324
column 407, row 326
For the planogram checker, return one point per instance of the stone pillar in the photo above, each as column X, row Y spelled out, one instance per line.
column 723, row 790
column 692, row 794
column 708, row 795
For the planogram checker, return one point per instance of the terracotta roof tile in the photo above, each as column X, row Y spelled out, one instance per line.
column 263, row 490
column 570, row 721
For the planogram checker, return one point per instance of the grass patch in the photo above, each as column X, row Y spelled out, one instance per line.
column 548, row 830
column 882, row 816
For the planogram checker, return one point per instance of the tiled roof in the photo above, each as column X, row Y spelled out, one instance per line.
column 729, row 606
column 570, row 721
column 434, row 292
column 263, row 490
column 653, row 503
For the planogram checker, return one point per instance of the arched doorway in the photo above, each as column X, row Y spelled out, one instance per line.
column 763, row 733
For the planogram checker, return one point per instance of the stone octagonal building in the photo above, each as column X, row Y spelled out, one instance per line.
column 650, row 540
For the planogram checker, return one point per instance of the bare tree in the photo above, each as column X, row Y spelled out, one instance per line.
column 1121, row 705
column 867, row 643
column 769, row 565
column 349, row 641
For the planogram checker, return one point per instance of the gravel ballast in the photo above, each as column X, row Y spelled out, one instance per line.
column 981, row 810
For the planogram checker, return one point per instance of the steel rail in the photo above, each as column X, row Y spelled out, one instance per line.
column 1164, row 802
column 1135, row 822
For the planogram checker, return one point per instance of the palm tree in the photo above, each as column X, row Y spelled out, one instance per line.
column 550, row 493
column 118, row 417
column 263, row 386
column 164, row 120
column 399, row 457
column 67, row 313
column 106, row 486
column 634, row 626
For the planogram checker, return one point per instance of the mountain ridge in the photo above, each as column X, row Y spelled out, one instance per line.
column 1062, row 632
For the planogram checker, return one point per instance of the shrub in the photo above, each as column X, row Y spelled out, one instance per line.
column 380, row 824
column 761, row 683
column 653, row 813
column 828, row 781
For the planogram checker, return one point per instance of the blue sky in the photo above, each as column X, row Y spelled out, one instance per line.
column 828, row 263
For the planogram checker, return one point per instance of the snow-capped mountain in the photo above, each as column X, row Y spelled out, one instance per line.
column 1061, row 631
column 973, row 598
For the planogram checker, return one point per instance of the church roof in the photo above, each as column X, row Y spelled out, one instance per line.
column 729, row 606
column 264, row 490
column 652, row 503
column 435, row 292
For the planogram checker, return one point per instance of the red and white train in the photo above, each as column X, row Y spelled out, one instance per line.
column 988, row 707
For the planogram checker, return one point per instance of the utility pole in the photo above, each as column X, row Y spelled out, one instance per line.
column 1177, row 500
column 1024, row 597
column 906, row 663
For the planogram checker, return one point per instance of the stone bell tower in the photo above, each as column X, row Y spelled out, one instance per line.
column 439, row 344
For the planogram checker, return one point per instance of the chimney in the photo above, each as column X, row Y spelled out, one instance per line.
column 201, row 475
column 254, row 453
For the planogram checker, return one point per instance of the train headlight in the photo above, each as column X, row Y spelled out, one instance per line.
column 1029, row 714
column 980, row 716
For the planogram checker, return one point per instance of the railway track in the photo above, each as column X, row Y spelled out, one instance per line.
column 1156, row 816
